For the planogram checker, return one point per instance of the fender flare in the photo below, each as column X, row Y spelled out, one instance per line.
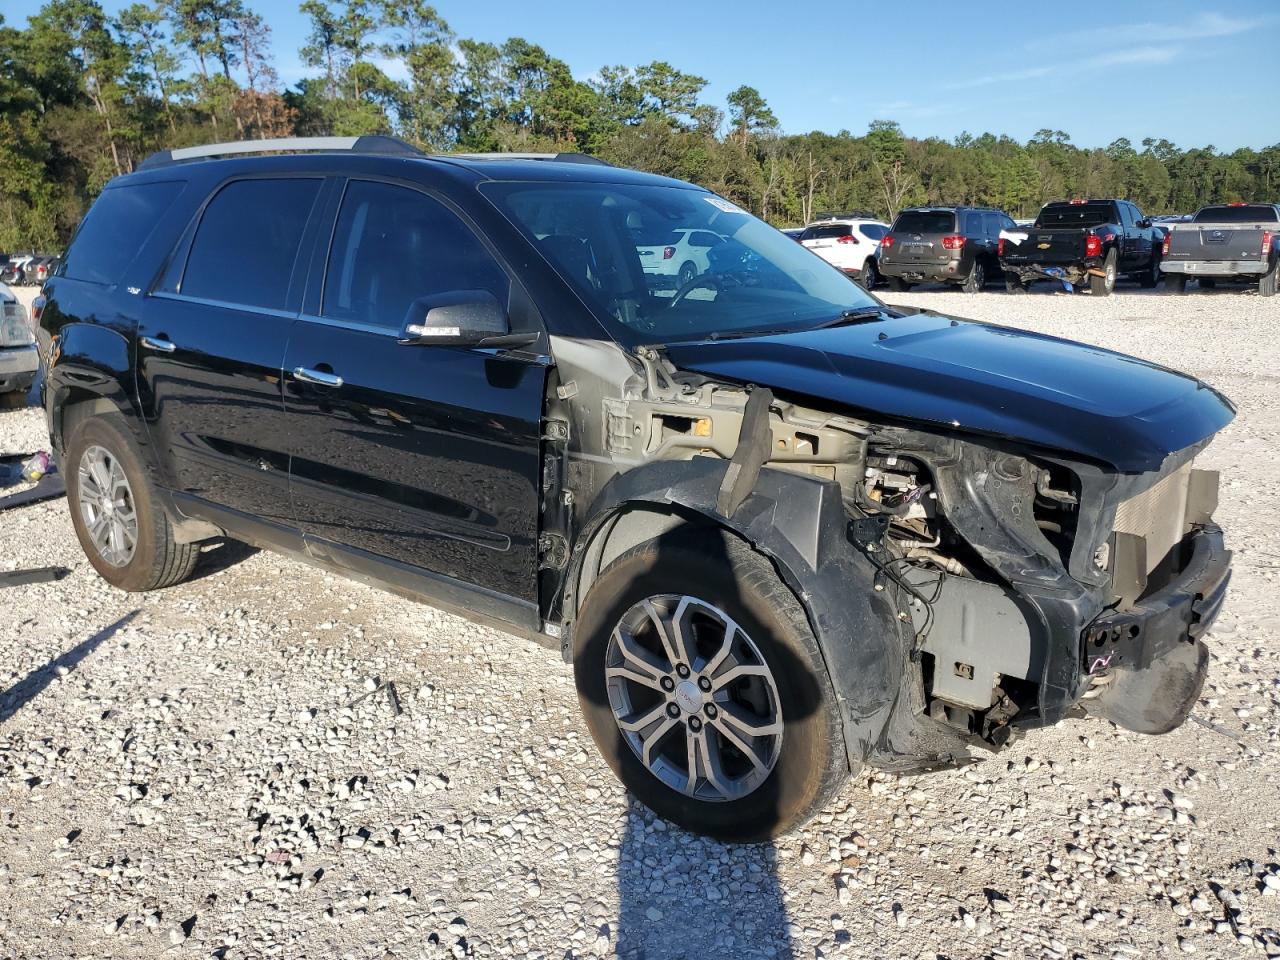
column 799, row 523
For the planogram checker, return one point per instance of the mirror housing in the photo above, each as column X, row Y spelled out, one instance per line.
column 1145, row 223
column 460, row 318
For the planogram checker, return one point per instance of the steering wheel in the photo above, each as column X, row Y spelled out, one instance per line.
column 716, row 281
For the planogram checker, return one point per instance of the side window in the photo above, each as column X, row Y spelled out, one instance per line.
column 115, row 228
column 393, row 246
column 704, row 238
column 873, row 231
column 1126, row 216
column 993, row 223
column 247, row 241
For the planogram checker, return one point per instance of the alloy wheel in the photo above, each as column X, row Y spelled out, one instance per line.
column 694, row 698
column 106, row 506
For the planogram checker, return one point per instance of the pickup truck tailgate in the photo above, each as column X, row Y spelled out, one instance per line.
column 1215, row 241
column 1046, row 246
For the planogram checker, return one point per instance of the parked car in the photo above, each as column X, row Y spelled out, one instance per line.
column 13, row 273
column 955, row 245
column 849, row 245
column 795, row 233
column 19, row 360
column 1231, row 241
column 672, row 259
column 780, row 529
column 1083, row 241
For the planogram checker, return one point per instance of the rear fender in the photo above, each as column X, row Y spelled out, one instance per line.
column 799, row 523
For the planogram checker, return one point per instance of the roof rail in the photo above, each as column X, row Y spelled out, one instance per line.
column 557, row 157
column 367, row 144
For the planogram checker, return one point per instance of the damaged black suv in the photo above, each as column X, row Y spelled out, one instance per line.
column 780, row 529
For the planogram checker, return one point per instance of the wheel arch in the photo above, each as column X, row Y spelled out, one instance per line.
column 798, row 524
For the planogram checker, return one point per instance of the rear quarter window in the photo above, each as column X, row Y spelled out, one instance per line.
column 873, row 231
column 827, row 231
column 116, row 227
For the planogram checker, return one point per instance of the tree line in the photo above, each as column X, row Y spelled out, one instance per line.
column 85, row 96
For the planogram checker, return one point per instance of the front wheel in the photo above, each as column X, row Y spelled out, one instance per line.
column 1150, row 277
column 705, row 691
column 977, row 278
column 1103, row 285
column 898, row 285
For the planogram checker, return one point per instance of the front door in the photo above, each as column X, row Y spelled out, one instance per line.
column 211, row 340
column 424, row 455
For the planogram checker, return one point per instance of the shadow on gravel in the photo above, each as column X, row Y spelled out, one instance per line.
column 675, row 902
column 33, row 684
column 221, row 554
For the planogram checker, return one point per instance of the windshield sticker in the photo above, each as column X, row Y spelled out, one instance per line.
column 724, row 206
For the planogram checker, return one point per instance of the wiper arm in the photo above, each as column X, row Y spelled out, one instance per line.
column 856, row 315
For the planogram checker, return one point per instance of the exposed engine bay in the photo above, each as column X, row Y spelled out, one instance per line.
column 962, row 534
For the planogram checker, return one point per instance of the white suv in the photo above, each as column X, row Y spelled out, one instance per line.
column 671, row 258
column 850, row 244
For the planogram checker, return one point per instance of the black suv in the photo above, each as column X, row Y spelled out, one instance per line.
column 956, row 245
column 780, row 529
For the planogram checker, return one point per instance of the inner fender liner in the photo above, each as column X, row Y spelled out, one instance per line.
column 799, row 522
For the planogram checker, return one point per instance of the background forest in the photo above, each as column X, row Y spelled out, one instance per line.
column 85, row 96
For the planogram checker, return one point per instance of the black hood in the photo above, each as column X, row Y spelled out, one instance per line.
column 981, row 378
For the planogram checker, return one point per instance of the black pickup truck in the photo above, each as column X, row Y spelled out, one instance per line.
column 1225, row 241
column 1083, row 241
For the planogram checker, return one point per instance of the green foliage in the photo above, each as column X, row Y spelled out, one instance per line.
column 85, row 96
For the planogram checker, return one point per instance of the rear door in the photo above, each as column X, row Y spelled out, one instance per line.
column 211, row 340
column 918, row 236
column 425, row 455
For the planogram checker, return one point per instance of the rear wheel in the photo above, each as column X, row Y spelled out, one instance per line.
column 977, row 278
column 121, row 527
column 1268, row 282
column 704, row 688
column 1013, row 284
column 1175, row 283
column 1103, row 285
column 687, row 272
column 1150, row 277
column 898, row 285
column 870, row 276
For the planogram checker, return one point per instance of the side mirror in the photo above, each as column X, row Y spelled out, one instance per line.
column 460, row 318
column 1145, row 223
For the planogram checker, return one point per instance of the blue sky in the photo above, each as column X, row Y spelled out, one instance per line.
column 1192, row 72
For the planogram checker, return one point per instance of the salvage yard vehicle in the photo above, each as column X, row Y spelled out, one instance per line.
column 780, row 529
column 1083, row 241
column 1231, row 241
column 850, row 244
column 19, row 359
column 956, row 245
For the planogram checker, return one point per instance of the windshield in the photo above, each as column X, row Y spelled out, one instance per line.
column 1248, row 213
column 1076, row 215
column 740, row 277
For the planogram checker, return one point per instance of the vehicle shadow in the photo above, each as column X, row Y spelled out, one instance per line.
column 34, row 683
column 683, row 896
column 220, row 554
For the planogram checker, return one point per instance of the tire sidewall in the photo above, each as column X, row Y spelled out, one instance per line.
column 101, row 432
column 802, row 776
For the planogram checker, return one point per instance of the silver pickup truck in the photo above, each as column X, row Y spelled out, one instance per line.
column 1231, row 241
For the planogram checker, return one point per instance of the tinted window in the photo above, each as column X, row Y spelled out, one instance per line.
column 393, row 246
column 994, row 223
column 116, row 227
column 827, row 231
column 873, row 231
column 925, row 221
column 245, row 246
column 701, row 238
column 654, row 237
column 1247, row 213
column 1075, row 215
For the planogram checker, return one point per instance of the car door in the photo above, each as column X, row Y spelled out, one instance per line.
column 427, row 456
column 211, row 340
column 1128, row 238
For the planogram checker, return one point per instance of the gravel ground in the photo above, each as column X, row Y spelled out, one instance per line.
column 216, row 770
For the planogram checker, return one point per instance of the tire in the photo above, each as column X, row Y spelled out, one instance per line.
column 977, row 278
column 1103, row 286
column 869, row 276
column 687, row 272
column 1175, row 283
column 1013, row 284
column 1149, row 279
column 1268, row 281
column 701, row 578
column 898, row 285
column 98, row 448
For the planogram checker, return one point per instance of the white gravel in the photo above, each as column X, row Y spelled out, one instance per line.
column 214, row 770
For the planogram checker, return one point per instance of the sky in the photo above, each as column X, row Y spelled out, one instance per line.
column 1195, row 73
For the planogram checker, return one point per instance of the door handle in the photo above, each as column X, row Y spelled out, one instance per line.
column 318, row 377
column 163, row 346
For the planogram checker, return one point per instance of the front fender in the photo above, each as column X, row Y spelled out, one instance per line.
column 800, row 524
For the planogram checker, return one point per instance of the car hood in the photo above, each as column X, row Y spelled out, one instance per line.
column 982, row 378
